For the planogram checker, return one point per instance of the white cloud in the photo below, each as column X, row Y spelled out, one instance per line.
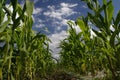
column 40, row 23
column 65, row 10
column 92, row 34
column 58, row 24
column 84, row 6
column 58, row 14
column 112, row 28
column 37, row 11
column 51, row 7
column 55, row 38
column 68, row 5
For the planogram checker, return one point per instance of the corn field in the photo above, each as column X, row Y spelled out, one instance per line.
column 25, row 53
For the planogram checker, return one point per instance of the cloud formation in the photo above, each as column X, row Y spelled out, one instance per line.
column 56, row 38
column 37, row 10
column 40, row 23
column 58, row 14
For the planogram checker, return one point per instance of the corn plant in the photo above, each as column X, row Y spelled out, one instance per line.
column 102, row 49
column 80, row 52
column 103, row 19
column 24, row 54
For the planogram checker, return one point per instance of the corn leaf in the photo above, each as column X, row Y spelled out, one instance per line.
column 14, row 4
column 110, row 11
column 29, row 7
column 81, row 24
column 112, row 39
column 117, row 20
column 104, row 2
column 1, row 14
column 0, row 73
column 4, row 25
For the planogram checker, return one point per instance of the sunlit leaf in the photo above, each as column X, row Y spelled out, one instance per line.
column 110, row 10
column 29, row 7
column 81, row 24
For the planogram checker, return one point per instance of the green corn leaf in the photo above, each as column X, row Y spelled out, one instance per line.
column 104, row 5
column 112, row 39
column 29, row 7
column 117, row 20
column 0, row 73
column 12, row 77
column 7, row 11
column 108, row 52
column 0, row 6
column 102, row 19
column 30, row 19
column 1, row 14
column 95, row 20
column 70, row 23
column 5, row 51
column 90, row 6
column 16, row 23
column 83, row 67
column 2, row 36
column 104, row 2
column 110, row 11
column 4, row 25
column 3, row 2
column 101, row 9
column 81, row 24
column 21, row 12
column 14, row 4
column 19, row 9
column 100, row 35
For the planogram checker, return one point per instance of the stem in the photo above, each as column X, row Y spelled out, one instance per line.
column 1, row 73
column 112, row 68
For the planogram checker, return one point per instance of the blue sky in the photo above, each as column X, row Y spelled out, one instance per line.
column 50, row 17
column 55, row 13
